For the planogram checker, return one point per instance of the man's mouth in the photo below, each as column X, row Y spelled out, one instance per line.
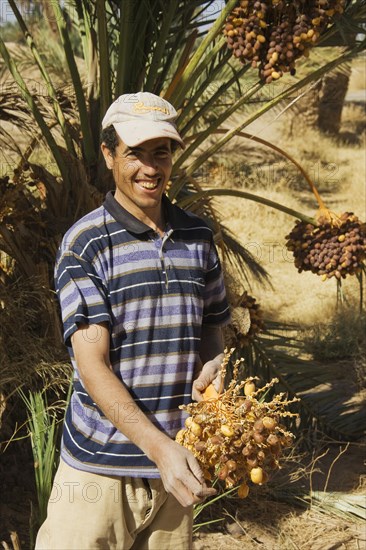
column 148, row 184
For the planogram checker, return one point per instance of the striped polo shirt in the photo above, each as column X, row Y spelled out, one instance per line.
column 154, row 292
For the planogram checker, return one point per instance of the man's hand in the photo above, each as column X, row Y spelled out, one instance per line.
column 181, row 473
column 211, row 356
column 210, row 374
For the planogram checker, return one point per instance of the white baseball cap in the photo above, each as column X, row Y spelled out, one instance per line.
column 142, row 116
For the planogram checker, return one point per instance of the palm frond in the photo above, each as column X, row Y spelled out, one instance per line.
column 325, row 390
column 34, row 108
column 188, row 76
column 104, row 62
column 59, row 113
column 347, row 505
column 186, row 201
column 349, row 28
column 160, row 45
column 88, row 146
column 241, row 260
column 203, row 156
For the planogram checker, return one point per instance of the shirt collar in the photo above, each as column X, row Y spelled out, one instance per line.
column 174, row 215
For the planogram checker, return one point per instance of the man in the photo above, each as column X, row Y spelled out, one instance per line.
column 143, row 303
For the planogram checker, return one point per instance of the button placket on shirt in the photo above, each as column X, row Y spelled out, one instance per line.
column 160, row 244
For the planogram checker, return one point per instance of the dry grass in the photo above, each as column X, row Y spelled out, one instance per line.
column 261, row 522
column 277, row 526
column 315, row 531
column 30, row 355
column 341, row 338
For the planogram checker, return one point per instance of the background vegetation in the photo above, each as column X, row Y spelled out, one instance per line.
column 63, row 63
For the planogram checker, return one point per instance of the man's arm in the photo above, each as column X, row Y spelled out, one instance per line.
column 179, row 470
column 211, row 356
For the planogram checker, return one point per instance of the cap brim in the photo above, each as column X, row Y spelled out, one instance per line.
column 133, row 134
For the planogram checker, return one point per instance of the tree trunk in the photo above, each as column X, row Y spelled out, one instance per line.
column 321, row 107
column 333, row 92
column 305, row 111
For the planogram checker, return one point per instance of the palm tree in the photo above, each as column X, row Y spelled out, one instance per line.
column 174, row 49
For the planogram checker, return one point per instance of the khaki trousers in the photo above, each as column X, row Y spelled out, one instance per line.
column 90, row 511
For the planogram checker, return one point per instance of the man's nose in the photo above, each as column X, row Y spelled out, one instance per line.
column 150, row 164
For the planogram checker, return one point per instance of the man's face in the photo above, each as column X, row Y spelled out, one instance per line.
column 141, row 173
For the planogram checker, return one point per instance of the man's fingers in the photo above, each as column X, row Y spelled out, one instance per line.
column 183, row 477
column 195, row 468
column 208, row 375
column 218, row 383
column 206, row 492
column 199, row 386
column 196, row 393
column 201, row 383
column 184, row 496
column 187, row 498
column 194, row 486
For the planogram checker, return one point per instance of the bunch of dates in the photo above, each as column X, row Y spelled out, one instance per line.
column 236, row 436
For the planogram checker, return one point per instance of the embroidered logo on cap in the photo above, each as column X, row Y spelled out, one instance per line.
column 140, row 108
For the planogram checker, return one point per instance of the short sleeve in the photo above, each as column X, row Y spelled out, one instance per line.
column 81, row 293
column 216, row 309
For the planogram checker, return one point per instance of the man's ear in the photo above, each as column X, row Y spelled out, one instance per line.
column 108, row 156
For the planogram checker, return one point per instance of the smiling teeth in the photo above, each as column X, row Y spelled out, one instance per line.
column 148, row 185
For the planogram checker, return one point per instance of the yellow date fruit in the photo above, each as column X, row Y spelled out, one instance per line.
column 256, row 475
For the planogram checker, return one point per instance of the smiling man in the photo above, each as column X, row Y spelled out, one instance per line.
column 143, row 302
